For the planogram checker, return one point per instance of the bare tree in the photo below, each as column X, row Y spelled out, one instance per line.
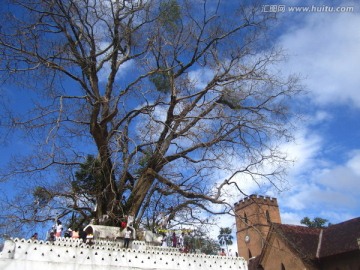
column 164, row 94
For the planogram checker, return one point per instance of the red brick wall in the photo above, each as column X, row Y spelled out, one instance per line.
column 252, row 216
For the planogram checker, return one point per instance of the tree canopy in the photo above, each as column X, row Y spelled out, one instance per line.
column 225, row 237
column 139, row 108
column 317, row 222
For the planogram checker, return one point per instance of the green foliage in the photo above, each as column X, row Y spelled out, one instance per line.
column 230, row 99
column 161, row 81
column 144, row 160
column 315, row 223
column 88, row 177
column 225, row 236
column 42, row 195
column 78, row 221
column 170, row 15
column 199, row 241
column 210, row 247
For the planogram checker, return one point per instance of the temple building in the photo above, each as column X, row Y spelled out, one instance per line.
column 268, row 244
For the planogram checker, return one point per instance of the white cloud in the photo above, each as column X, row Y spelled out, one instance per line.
column 200, row 77
column 318, row 186
column 303, row 150
column 328, row 190
column 290, row 217
column 354, row 162
column 320, row 116
column 105, row 71
column 344, row 179
column 325, row 50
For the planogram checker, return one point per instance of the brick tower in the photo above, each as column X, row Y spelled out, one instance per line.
column 254, row 215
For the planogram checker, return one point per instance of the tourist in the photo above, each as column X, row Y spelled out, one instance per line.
column 164, row 240
column 82, row 235
column 174, row 240
column 34, row 236
column 51, row 237
column 181, row 240
column 222, row 253
column 68, row 233
column 127, row 236
column 59, row 228
column 75, row 233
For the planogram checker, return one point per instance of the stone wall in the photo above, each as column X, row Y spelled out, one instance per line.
column 72, row 254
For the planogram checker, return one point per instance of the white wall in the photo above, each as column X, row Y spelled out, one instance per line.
column 69, row 254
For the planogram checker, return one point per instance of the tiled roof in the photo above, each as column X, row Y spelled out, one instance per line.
column 340, row 238
column 302, row 239
column 336, row 239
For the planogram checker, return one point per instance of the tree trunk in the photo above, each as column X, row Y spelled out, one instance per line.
column 106, row 200
column 139, row 192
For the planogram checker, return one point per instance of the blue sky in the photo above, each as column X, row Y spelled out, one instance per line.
column 323, row 49
column 325, row 178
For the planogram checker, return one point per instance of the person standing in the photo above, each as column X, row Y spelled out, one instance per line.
column 174, row 240
column 75, row 233
column 82, row 235
column 59, row 228
column 51, row 236
column 68, row 233
column 181, row 240
column 164, row 240
column 127, row 236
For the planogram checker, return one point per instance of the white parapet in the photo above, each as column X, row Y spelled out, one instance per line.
column 69, row 254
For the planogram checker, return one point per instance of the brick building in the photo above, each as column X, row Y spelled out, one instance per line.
column 268, row 244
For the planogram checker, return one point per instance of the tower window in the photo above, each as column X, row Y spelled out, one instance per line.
column 245, row 218
column 282, row 266
column 268, row 216
column 250, row 255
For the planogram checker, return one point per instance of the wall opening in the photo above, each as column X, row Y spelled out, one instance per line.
column 268, row 217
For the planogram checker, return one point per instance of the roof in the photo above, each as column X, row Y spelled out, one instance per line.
column 336, row 239
column 340, row 238
column 303, row 240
